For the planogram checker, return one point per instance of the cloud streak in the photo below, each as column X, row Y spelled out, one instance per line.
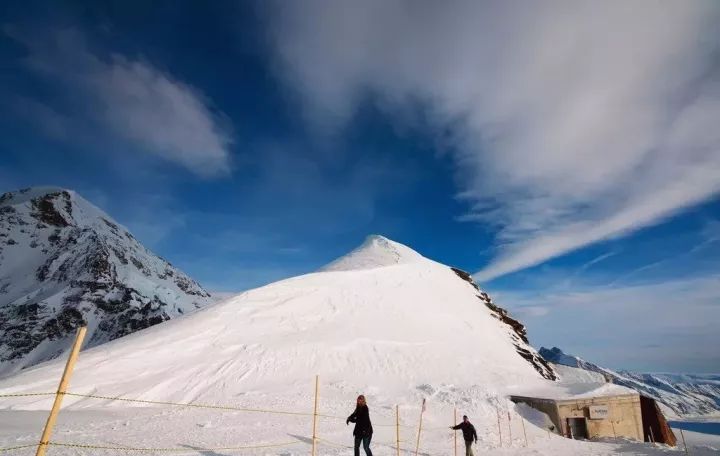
column 569, row 122
column 601, row 322
column 132, row 99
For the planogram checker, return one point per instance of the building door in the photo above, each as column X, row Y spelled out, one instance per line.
column 578, row 428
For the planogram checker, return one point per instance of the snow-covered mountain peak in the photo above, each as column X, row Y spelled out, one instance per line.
column 376, row 252
column 64, row 263
column 60, row 207
column 28, row 194
column 416, row 327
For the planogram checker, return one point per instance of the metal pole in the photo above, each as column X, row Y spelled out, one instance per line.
column 683, row 439
column 397, row 428
column 455, row 432
column 499, row 428
column 417, row 445
column 64, row 380
column 522, row 420
column 652, row 437
column 315, row 414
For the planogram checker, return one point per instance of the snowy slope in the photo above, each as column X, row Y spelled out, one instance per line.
column 387, row 323
column 64, row 262
column 413, row 325
column 678, row 394
column 375, row 252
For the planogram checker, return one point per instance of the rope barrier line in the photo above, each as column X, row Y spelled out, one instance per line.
column 167, row 450
column 187, row 404
column 17, row 447
column 26, row 394
column 190, row 405
column 374, row 424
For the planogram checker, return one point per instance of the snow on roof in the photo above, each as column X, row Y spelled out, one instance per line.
column 561, row 391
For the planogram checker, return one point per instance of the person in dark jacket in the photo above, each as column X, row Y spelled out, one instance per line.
column 363, row 428
column 469, row 434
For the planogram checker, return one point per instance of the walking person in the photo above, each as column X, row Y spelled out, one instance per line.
column 469, row 434
column 363, row 428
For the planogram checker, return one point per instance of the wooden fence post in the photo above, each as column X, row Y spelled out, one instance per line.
column 314, row 434
column 455, row 432
column 397, row 428
column 522, row 420
column 64, row 380
column 417, row 445
column 499, row 428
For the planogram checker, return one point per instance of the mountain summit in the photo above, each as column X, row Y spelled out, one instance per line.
column 383, row 320
column 65, row 263
column 377, row 251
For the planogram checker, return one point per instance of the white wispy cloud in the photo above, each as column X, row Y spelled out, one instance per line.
column 569, row 122
column 671, row 325
column 134, row 100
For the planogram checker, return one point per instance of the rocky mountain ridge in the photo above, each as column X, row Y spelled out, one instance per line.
column 681, row 395
column 65, row 263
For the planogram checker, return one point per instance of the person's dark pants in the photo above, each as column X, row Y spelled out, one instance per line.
column 366, row 444
column 468, row 448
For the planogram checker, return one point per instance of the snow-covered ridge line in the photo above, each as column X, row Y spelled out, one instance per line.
column 392, row 331
column 680, row 395
column 377, row 251
column 65, row 263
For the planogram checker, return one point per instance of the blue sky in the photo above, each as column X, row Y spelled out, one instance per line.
column 575, row 171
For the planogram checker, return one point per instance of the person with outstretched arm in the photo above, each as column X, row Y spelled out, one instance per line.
column 363, row 428
column 469, row 434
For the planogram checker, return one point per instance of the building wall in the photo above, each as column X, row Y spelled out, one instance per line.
column 547, row 406
column 624, row 420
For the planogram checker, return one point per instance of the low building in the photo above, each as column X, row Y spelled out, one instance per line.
column 612, row 416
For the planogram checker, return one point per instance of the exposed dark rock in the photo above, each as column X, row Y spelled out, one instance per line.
column 46, row 211
column 518, row 333
column 79, row 265
column 466, row 277
column 137, row 263
column 110, row 224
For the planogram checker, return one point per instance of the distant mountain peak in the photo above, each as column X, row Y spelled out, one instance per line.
column 375, row 252
column 65, row 263
column 679, row 394
column 557, row 356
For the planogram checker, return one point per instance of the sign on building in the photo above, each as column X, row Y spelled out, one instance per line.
column 599, row 412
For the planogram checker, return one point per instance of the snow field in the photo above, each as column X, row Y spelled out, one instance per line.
column 192, row 431
column 383, row 321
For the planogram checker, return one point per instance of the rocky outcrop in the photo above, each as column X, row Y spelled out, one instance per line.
column 64, row 263
column 518, row 332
